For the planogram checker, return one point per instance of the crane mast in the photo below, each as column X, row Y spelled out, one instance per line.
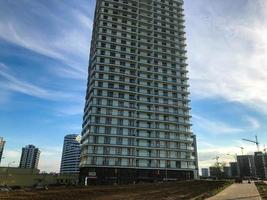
column 254, row 141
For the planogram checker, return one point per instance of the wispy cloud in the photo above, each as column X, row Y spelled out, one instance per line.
column 14, row 84
column 50, row 158
column 254, row 123
column 228, row 52
column 11, row 157
column 70, row 110
column 214, row 126
column 65, row 42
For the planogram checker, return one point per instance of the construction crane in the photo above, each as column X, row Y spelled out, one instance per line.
column 255, row 142
column 242, row 150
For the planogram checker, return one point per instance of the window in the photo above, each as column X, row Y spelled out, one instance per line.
column 109, row 111
column 99, row 92
column 100, row 84
column 109, row 102
column 119, row 142
column 110, row 94
column 120, row 122
column 110, row 85
column 121, row 104
column 99, row 101
column 107, row 140
column 97, row 120
column 121, row 95
column 106, row 161
column 101, row 76
column 122, row 79
column 107, row 130
column 120, row 112
column 96, row 129
column 98, row 111
column 101, row 68
column 108, row 120
column 119, row 131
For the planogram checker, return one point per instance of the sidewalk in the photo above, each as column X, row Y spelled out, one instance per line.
column 236, row 191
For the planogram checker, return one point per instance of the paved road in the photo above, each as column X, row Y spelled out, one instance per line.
column 243, row 191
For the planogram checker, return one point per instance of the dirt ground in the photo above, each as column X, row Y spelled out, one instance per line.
column 166, row 191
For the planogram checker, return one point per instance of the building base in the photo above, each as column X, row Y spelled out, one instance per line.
column 107, row 176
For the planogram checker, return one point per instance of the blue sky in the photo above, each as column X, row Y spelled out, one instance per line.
column 44, row 48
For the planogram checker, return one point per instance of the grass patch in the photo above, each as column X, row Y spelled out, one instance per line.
column 220, row 187
column 262, row 188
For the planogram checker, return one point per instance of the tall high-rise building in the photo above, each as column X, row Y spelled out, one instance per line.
column 71, row 154
column 136, row 124
column 29, row 157
column 2, row 144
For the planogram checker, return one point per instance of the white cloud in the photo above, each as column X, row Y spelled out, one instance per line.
column 10, row 157
column 228, row 54
column 215, row 127
column 50, row 158
column 221, row 128
column 254, row 123
column 12, row 83
column 11, row 154
column 71, row 110
column 70, row 44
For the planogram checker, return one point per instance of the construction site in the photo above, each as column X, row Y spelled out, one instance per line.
column 174, row 190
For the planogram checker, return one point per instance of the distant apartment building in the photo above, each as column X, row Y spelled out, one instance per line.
column 71, row 154
column 216, row 172
column 227, row 172
column 234, row 169
column 2, row 144
column 205, row 172
column 260, row 165
column 246, row 166
column 136, row 124
column 29, row 157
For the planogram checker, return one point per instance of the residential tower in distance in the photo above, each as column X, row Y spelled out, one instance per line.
column 2, row 145
column 29, row 157
column 136, row 124
column 71, row 154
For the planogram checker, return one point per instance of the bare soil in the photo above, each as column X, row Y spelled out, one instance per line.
column 185, row 190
